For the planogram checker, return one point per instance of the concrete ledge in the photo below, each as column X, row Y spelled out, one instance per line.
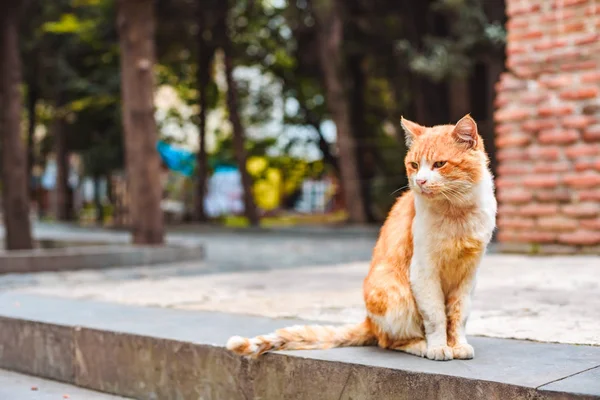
column 168, row 354
column 93, row 257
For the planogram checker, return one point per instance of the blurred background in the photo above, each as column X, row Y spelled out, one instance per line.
column 285, row 113
column 296, row 102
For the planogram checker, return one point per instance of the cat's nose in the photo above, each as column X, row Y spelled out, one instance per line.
column 421, row 182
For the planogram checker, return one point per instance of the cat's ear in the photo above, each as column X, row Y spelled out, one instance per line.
column 411, row 131
column 465, row 131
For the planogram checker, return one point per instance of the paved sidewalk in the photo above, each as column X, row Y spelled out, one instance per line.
column 15, row 386
column 552, row 299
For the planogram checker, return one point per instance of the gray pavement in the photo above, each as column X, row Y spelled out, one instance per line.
column 226, row 251
column 319, row 277
column 15, row 386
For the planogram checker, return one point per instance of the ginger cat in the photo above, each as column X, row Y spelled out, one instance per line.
column 418, row 290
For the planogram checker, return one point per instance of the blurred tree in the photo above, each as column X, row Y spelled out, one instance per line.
column 15, row 198
column 239, row 135
column 204, row 63
column 136, row 25
column 330, row 28
column 84, row 77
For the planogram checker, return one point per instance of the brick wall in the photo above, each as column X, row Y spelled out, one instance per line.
column 548, row 128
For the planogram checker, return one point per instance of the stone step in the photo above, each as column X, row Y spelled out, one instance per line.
column 153, row 353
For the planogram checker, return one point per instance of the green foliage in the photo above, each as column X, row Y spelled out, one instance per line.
column 71, row 54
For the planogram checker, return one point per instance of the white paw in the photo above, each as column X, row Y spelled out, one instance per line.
column 420, row 349
column 463, row 351
column 439, row 353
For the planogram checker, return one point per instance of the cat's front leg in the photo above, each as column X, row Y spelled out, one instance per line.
column 458, row 306
column 427, row 289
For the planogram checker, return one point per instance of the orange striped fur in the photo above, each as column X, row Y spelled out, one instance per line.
column 417, row 292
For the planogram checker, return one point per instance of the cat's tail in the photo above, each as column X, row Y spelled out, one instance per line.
column 307, row 337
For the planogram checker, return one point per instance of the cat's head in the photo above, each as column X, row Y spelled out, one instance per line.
column 444, row 161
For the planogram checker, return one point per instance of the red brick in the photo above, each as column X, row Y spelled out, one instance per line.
column 555, row 81
column 585, row 165
column 526, row 59
column 552, row 167
column 586, row 180
column 581, row 65
column 503, row 129
column 581, row 209
column 547, row 111
column 504, row 182
column 535, row 125
column 572, row 27
column 556, row 16
column 517, row 23
column 593, row 224
column 558, row 196
column 537, row 237
column 509, row 82
column 579, row 94
column 512, row 141
column 507, row 209
column 507, row 237
column 513, row 48
column 522, row 36
column 512, row 154
column 550, row 44
column 542, row 181
column 584, row 238
column 570, row 54
column 501, row 101
column 560, row 4
column 557, row 136
column 545, row 153
column 512, row 114
column 513, row 11
column 515, row 196
column 533, row 210
column 525, row 72
column 586, row 39
column 593, row 9
column 592, row 134
column 512, row 169
column 557, row 224
column 515, row 223
column 590, row 77
column 589, row 195
column 577, row 121
column 582, row 151
column 533, row 97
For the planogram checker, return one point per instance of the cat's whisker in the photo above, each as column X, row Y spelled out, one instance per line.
column 399, row 189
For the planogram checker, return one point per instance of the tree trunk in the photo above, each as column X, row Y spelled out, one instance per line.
column 15, row 197
column 332, row 59
column 205, row 58
column 238, row 142
column 239, row 133
column 62, row 193
column 136, row 25
column 365, row 152
column 32, row 99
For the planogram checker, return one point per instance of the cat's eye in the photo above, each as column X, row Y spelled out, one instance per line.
column 414, row 165
column 439, row 164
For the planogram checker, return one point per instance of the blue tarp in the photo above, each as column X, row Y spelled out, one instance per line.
column 177, row 159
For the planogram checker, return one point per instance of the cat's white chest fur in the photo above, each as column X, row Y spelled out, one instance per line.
column 431, row 227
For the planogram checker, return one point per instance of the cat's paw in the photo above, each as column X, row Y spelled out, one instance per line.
column 439, row 353
column 463, row 351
